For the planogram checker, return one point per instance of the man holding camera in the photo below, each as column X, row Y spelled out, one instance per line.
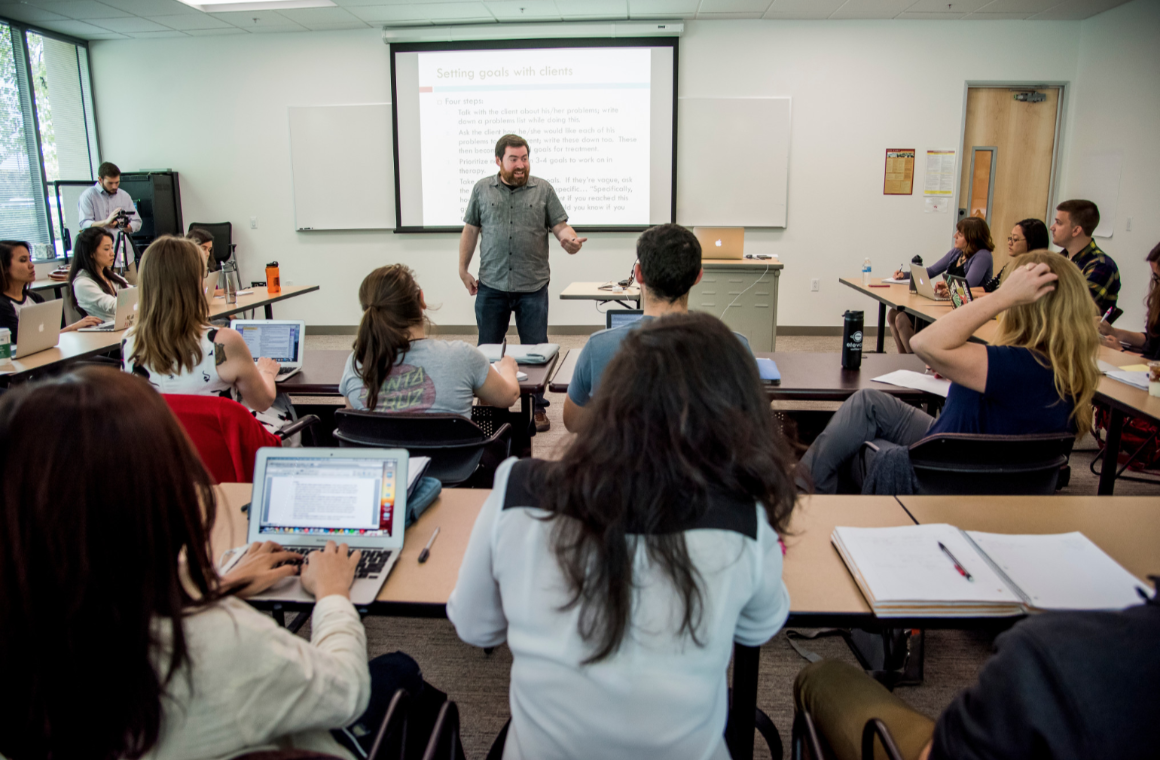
column 105, row 204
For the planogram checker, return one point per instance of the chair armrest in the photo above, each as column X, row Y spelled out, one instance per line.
column 298, row 425
column 875, row 727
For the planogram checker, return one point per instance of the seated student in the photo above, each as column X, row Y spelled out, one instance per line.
column 204, row 241
column 1148, row 342
column 668, row 265
column 395, row 367
column 621, row 575
column 1075, row 221
column 1039, row 377
column 1061, row 686
column 1026, row 236
column 970, row 258
column 119, row 637
column 91, row 279
column 174, row 346
column 17, row 273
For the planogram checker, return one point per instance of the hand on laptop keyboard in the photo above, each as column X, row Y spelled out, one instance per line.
column 262, row 566
column 328, row 571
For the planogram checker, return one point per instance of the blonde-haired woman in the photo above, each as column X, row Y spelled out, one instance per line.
column 174, row 346
column 1038, row 377
column 395, row 367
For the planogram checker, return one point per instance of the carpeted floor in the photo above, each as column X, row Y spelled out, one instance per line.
column 479, row 682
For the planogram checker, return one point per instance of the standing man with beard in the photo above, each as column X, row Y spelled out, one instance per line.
column 515, row 212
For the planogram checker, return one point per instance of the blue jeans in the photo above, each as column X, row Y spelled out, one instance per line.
column 493, row 312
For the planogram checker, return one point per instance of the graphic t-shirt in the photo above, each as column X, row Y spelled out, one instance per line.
column 434, row 376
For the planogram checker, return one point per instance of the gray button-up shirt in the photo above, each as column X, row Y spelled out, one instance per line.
column 95, row 205
column 513, row 255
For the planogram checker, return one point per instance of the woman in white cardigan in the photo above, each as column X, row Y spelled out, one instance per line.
column 92, row 279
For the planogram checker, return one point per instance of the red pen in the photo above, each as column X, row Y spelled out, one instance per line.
column 962, row 570
column 883, row 285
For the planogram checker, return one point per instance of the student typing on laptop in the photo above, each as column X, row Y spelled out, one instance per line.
column 17, row 273
column 174, row 346
column 121, row 640
column 92, row 281
column 668, row 265
column 395, row 367
column 970, row 258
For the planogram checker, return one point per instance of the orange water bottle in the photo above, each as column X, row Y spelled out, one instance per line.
column 273, row 280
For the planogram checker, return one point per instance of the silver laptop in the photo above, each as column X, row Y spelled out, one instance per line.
column 209, row 287
column 622, row 317
column 922, row 284
column 305, row 497
column 126, row 313
column 39, row 327
column 721, row 242
column 282, row 340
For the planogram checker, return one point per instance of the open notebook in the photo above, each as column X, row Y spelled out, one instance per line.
column 903, row 572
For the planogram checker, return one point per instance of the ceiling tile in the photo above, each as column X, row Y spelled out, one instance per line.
column 1076, row 10
column 251, row 20
column 84, row 9
column 282, row 29
column 523, row 10
column 946, row 6
column 152, row 7
column 1018, row 6
column 594, row 9
column 995, row 16
column 214, row 32
column 751, row 14
column 662, row 8
column 920, row 16
column 75, row 28
column 803, row 8
column 198, row 21
column 308, row 16
column 29, row 14
column 107, row 36
column 733, row 6
column 155, row 35
column 871, row 9
column 129, row 25
column 337, row 26
column 441, row 13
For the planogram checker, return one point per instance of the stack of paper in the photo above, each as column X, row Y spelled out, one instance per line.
column 919, row 381
column 1135, row 379
column 532, row 353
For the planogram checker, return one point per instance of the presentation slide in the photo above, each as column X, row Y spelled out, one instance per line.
column 598, row 120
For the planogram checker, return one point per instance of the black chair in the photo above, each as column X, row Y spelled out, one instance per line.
column 805, row 744
column 391, row 740
column 876, row 728
column 967, row 463
column 444, row 741
column 459, row 450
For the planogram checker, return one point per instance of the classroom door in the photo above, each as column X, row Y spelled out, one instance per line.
column 1008, row 150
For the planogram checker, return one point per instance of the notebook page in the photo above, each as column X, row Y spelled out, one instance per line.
column 1065, row 571
column 905, row 563
column 918, row 381
column 415, row 468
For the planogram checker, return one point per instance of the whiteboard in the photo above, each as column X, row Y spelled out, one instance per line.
column 343, row 167
column 732, row 161
column 1100, row 184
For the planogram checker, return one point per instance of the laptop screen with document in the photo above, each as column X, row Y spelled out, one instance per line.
column 329, row 497
column 278, row 340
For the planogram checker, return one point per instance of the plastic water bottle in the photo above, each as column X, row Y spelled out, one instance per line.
column 6, row 349
column 866, row 273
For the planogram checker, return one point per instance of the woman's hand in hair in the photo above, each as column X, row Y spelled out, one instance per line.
column 330, row 570
column 1027, row 284
column 263, row 565
column 86, row 322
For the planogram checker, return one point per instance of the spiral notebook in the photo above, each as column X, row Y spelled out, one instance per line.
column 903, row 572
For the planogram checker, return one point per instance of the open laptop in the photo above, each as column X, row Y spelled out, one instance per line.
column 125, row 316
column 922, row 284
column 209, row 287
column 303, row 498
column 960, row 291
column 621, row 317
column 282, row 340
column 39, row 327
column 721, row 242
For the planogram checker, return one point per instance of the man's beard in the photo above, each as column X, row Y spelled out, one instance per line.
column 510, row 178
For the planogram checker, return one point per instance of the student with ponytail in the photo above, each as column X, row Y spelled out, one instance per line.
column 395, row 367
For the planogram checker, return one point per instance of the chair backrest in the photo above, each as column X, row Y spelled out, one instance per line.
column 455, row 444
column 391, row 740
column 72, row 312
column 963, row 463
column 222, row 238
column 225, row 433
column 876, row 728
column 285, row 754
column 444, row 741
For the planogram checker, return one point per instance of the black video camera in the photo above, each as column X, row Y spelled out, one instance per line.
column 121, row 218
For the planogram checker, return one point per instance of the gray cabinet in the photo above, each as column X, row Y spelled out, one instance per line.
column 743, row 294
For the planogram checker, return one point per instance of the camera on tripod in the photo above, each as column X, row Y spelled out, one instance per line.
column 121, row 219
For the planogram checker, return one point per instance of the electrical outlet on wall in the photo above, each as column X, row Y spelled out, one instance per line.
column 815, row 285
column 253, row 222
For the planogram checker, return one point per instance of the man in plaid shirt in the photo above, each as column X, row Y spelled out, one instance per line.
column 1075, row 221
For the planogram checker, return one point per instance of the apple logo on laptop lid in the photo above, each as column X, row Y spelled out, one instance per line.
column 718, row 242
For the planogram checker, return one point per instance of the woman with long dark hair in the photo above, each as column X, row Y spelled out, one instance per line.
column 1027, row 235
column 92, row 281
column 17, row 273
column 119, row 639
column 395, row 367
column 1147, row 342
column 621, row 575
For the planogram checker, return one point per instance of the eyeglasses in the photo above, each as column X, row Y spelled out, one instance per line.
column 1014, row 240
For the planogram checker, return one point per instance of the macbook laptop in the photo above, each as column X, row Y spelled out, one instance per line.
column 621, row 317
column 279, row 339
column 39, row 327
column 960, row 291
column 125, row 316
column 209, row 286
column 721, row 242
column 303, row 498
column 922, row 284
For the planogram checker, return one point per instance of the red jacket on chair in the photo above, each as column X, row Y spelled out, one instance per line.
column 225, row 434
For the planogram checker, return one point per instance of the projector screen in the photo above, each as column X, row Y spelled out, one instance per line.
column 599, row 117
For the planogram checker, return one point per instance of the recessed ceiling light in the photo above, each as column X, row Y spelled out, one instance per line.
column 222, row 6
